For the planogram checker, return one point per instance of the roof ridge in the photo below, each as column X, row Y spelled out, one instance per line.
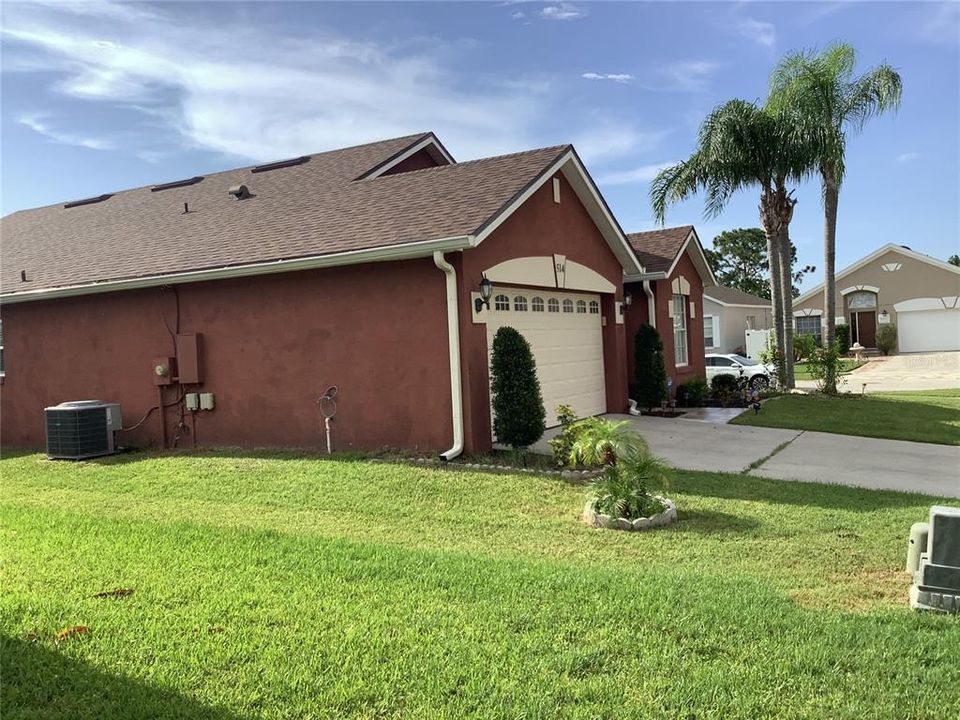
column 450, row 166
column 661, row 230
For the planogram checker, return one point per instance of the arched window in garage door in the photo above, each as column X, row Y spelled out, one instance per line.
column 501, row 302
column 553, row 305
column 568, row 306
column 520, row 303
column 581, row 307
column 536, row 304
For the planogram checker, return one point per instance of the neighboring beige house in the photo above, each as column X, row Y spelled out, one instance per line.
column 727, row 314
column 894, row 285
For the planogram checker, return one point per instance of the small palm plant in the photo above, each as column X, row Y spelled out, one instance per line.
column 622, row 489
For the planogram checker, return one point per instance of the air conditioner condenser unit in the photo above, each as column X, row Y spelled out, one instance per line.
column 82, row 429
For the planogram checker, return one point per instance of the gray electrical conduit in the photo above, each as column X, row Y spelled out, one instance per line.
column 453, row 336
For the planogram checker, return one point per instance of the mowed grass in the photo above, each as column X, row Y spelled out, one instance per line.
column 802, row 373
column 285, row 586
column 931, row 416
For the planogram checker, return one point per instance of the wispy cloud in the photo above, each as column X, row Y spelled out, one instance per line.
column 685, row 75
column 38, row 125
column 562, row 11
column 256, row 91
column 759, row 31
column 937, row 23
column 642, row 174
column 519, row 15
column 907, row 157
column 606, row 140
column 615, row 77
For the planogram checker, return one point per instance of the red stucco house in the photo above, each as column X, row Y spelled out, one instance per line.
column 668, row 294
column 358, row 268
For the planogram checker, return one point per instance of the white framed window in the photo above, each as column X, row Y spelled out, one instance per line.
column 501, row 302
column 581, row 307
column 594, row 307
column 808, row 325
column 708, row 339
column 568, row 305
column 680, row 345
column 553, row 305
column 536, row 304
column 520, row 303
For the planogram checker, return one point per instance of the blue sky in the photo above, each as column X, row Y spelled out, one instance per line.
column 101, row 97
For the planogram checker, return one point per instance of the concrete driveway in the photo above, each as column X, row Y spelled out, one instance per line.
column 915, row 371
column 799, row 455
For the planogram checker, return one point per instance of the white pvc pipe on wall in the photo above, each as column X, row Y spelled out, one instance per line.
column 453, row 336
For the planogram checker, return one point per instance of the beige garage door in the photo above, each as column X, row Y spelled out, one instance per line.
column 928, row 330
column 565, row 332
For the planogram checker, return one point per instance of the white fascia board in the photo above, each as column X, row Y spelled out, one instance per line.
column 428, row 141
column 873, row 256
column 707, row 296
column 695, row 239
column 407, row 251
column 589, row 195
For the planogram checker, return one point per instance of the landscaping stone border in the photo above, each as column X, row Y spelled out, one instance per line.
column 662, row 519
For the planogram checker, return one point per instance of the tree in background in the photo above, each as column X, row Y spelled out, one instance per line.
column 518, row 415
column 741, row 146
column 650, row 374
column 954, row 260
column 822, row 101
column 739, row 260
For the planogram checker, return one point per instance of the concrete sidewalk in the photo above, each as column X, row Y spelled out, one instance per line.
column 799, row 455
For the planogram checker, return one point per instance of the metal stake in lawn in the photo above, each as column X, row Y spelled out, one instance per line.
column 328, row 408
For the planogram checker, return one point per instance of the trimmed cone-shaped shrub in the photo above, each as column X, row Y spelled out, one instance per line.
column 650, row 374
column 518, row 415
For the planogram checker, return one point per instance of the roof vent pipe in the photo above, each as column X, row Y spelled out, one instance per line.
column 240, row 192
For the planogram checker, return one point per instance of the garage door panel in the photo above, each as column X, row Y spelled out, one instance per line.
column 568, row 351
column 928, row 330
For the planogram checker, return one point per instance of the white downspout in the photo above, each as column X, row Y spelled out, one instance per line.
column 453, row 335
column 651, row 304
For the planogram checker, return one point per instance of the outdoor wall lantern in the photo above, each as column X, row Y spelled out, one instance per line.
column 486, row 291
column 884, row 314
column 627, row 299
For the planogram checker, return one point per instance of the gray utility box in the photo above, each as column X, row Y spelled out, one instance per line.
column 82, row 429
column 933, row 557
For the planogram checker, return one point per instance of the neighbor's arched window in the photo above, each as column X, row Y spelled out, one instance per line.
column 520, row 303
column 568, row 306
column 501, row 302
column 553, row 305
column 862, row 300
column 536, row 304
column 581, row 307
column 594, row 307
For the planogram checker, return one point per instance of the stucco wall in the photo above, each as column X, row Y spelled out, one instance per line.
column 913, row 279
column 271, row 345
column 540, row 227
column 638, row 314
column 731, row 324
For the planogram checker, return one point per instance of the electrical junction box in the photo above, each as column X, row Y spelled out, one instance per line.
column 206, row 401
column 189, row 367
column 193, row 401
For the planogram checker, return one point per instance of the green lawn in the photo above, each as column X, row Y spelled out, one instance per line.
column 281, row 586
column 928, row 416
column 801, row 372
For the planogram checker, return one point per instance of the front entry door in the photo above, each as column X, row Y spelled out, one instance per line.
column 865, row 327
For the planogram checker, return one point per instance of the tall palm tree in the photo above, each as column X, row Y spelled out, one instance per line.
column 741, row 146
column 824, row 101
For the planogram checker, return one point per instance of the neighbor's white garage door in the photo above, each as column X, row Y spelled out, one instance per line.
column 565, row 333
column 928, row 330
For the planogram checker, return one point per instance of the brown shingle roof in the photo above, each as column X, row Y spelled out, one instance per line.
column 657, row 249
column 732, row 296
column 314, row 208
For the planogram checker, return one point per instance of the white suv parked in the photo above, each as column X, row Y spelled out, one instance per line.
column 757, row 375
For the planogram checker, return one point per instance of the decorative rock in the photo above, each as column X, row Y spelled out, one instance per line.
column 604, row 521
column 569, row 474
column 621, row 524
column 641, row 524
